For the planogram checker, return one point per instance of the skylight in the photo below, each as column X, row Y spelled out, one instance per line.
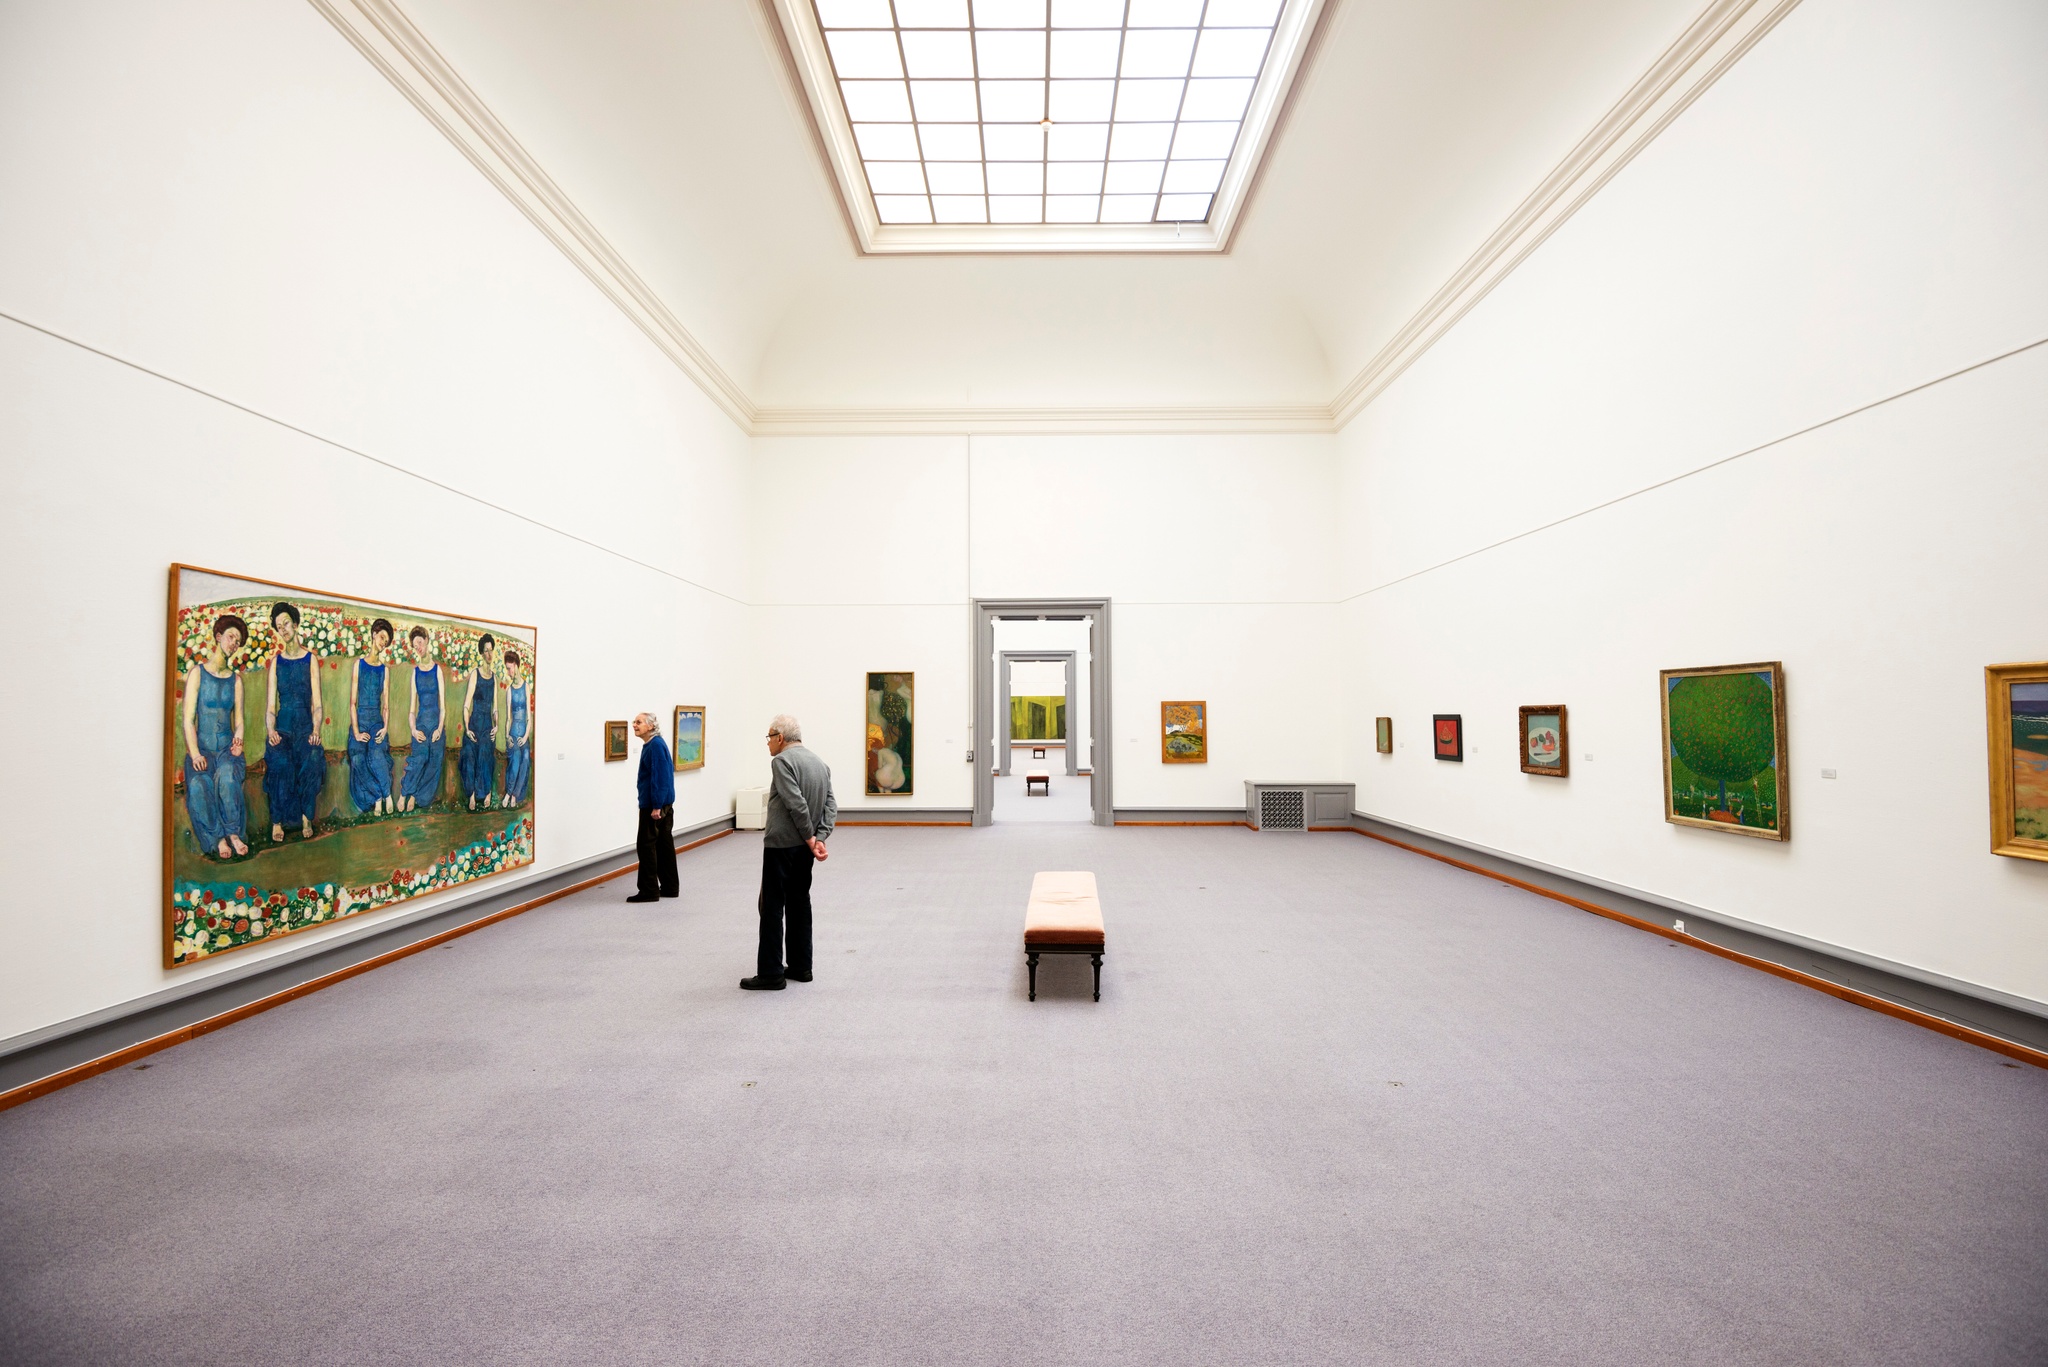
column 1020, row 121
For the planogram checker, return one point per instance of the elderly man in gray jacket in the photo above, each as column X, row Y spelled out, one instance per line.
column 801, row 810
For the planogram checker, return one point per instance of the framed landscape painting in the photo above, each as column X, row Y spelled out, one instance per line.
column 1725, row 766
column 892, row 712
column 325, row 756
column 1447, row 736
column 615, row 733
column 1383, row 735
column 2016, row 706
column 687, row 744
column 1545, row 744
column 1184, row 733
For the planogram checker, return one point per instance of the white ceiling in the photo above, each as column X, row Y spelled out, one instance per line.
column 1416, row 129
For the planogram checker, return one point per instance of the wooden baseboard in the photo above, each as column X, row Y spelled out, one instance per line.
column 2038, row 1058
column 838, row 824
column 106, row 1063
column 1246, row 824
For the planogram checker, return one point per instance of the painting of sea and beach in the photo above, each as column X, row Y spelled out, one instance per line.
column 327, row 756
column 2027, row 703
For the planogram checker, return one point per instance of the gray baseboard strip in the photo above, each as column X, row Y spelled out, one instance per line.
column 2014, row 1018
column 29, row 1058
column 1180, row 816
column 905, row 816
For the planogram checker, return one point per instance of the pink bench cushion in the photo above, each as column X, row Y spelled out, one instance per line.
column 1063, row 910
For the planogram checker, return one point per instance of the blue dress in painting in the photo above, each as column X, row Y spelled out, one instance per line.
column 369, row 761
column 478, row 763
column 422, row 778
column 296, row 767
column 518, row 747
column 213, row 796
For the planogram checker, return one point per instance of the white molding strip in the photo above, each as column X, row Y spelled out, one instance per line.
column 1688, row 68
column 402, row 53
column 1165, row 421
column 1708, row 48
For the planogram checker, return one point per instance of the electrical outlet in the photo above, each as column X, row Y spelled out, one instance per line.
column 1827, row 773
column 1678, row 926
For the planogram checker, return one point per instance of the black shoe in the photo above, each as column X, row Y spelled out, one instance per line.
column 795, row 976
column 643, row 897
column 762, row 984
column 676, row 893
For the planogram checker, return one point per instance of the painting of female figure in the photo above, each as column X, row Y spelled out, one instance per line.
column 369, row 735
column 518, row 730
column 478, row 763
column 421, row 781
column 214, row 764
column 320, row 825
column 294, row 765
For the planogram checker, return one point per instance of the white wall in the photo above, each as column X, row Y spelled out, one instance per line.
column 1855, row 210
column 1217, row 554
column 226, row 193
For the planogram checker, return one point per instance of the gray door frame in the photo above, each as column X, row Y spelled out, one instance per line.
column 1006, row 658
column 986, row 611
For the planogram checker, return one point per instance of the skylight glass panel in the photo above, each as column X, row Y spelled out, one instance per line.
column 1046, row 111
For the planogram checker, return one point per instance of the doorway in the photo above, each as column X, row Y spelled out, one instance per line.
column 1041, row 710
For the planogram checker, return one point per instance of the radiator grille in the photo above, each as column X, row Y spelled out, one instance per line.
column 1280, row 809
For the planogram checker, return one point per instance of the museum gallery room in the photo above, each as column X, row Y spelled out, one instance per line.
column 1495, row 545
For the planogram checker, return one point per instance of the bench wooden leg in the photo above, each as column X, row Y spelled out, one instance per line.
column 1031, row 959
column 1096, row 959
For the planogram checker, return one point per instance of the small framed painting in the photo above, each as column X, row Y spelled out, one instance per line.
column 1545, row 744
column 687, row 740
column 1383, row 735
column 1448, row 736
column 1724, row 749
column 1184, row 733
column 614, row 741
column 2016, row 706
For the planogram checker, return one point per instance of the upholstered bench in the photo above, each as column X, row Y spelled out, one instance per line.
column 1041, row 778
column 1064, row 916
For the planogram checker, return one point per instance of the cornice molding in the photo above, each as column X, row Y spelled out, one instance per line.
column 402, row 53
column 1712, row 44
column 1688, row 68
column 805, row 422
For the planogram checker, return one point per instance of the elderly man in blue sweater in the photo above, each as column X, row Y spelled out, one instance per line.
column 657, row 841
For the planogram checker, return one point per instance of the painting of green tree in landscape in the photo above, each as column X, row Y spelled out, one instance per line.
column 2016, row 702
column 327, row 756
column 1725, row 763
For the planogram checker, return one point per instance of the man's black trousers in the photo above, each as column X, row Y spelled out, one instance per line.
column 785, row 897
column 657, row 848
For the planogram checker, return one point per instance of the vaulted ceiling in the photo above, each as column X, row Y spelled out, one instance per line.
column 1422, row 140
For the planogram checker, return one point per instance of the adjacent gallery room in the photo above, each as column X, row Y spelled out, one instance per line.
column 1425, row 622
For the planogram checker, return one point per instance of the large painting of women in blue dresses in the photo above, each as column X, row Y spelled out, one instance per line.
column 328, row 756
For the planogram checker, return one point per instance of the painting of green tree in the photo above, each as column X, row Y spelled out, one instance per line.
column 1724, row 749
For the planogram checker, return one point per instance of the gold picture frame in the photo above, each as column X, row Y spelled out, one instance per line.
column 1184, row 732
column 615, row 733
column 1727, row 733
column 2016, row 725
column 685, row 748
column 1383, row 735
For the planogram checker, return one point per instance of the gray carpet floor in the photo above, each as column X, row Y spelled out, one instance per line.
column 1339, row 1104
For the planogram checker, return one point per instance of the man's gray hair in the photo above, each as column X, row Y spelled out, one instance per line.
column 649, row 716
column 786, row 727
